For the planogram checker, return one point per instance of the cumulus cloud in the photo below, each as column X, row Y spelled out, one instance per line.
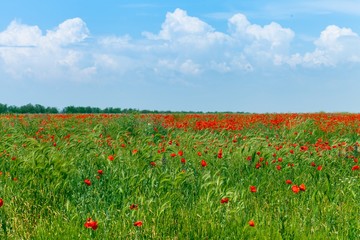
column 334, row 46
column 70, row 31
column 185, row 46
column 178, row 24
column 180, row 28
column 20, row 35
column 267, row 42
column 26, row 52
column 237, row 50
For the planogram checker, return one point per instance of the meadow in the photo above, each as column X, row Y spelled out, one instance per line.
column 180, row 176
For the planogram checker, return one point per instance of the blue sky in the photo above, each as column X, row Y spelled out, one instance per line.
column 251, row 55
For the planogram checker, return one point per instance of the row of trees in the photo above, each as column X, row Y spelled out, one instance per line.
column 29, row 108
column 37, row 108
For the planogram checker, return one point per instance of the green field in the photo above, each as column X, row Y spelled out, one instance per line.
column 179, row 176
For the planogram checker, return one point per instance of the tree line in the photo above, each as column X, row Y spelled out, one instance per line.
column 37, row 109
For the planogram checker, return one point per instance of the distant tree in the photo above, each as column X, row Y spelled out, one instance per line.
column 69, row 109
column 13, row 109
column 3, row 108
column 117, row 110
column 96, row 110
column 28, row 108
column 88, row 109
column 39, row 108
column 51, row 110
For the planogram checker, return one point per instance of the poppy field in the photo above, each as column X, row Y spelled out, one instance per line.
column 180, row 176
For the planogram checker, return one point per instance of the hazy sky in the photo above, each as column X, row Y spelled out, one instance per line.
column 248, row 55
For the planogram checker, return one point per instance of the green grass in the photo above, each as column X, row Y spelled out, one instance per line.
column 49, row 199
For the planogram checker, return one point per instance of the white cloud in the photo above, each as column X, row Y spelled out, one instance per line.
column 184, row 47
column 187, row 67
column 70, row 59
column 70, row 31
column 20, row 35
column 182, row 29
column 260, row 42
column 115, row 42
column 273, row 33
column 334, row 46
column 178, row 24
column 330, row 38
column 25, row 52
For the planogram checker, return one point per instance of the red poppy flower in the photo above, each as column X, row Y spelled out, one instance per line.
column 288, row 182
column 253, row 189
column 295, row 188
column 224, row 200
column 304, row 148
column 356, row 167
column 248, row 158
column 251, row 223
column 258, row 153
column 1, row 202
column 313, row 164
column 91, row 224
column 302, row 187
column 138, row 223
column 134, row 151
column 133, row 207
column 153, row 164
column 111, row 158
column 100, row 172
column 203, row 163
column 220, row 153
column 180, row 153
column 173, row 155
column 199, row 154
column 278, row 167
column 183, row 161
column 292, row 151
column 319, row 168
column 87, row 182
